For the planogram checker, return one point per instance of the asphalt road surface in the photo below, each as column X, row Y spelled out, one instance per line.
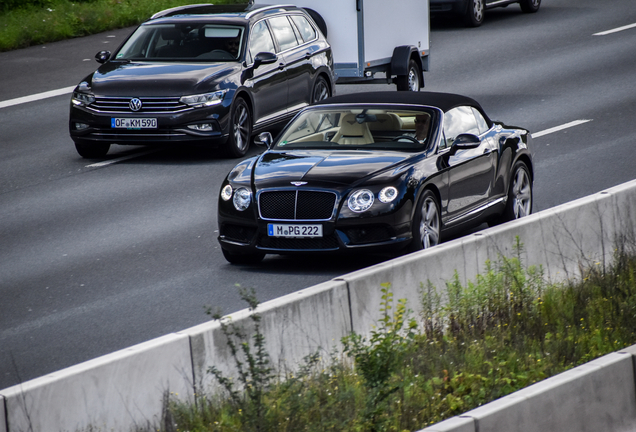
column 98, row 257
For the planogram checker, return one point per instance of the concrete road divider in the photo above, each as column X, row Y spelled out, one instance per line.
column 117, row 392
column 597, row 396
column 294, row 326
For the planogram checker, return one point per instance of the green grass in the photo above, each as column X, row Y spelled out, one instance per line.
column 502, row 332
column 64, row 19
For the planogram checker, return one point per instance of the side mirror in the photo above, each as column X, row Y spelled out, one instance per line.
column 264, row 139
column 264, row 58
column 102, row 56
column 464, row 142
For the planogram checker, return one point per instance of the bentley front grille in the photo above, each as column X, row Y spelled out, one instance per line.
column 296, row 205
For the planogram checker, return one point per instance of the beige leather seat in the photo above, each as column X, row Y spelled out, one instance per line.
column 386, row 122
column 352, row 132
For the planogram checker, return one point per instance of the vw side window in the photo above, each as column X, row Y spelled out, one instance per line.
column 283, row 32
column 260, row 41
column 305, row 29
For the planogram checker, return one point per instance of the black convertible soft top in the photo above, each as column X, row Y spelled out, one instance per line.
column 443, row 101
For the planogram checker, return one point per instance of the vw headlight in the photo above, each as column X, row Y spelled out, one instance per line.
column 226, row 192
column 242, row 199
column 361, row 200
column 82, row 99
column 388, row 194
column 202, row 100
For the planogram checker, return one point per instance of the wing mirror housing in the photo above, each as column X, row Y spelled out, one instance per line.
column 464, row 142
column 102, row 56
column 264, row 58
column 264, row 139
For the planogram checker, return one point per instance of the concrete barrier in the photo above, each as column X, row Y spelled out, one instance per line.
column 294, row 326
column 116, row 392
column 3, row 417
column 125, row 389
column 597, row 396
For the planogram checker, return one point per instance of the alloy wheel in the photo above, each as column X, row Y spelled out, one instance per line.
column 522, row 194
column 429, row 223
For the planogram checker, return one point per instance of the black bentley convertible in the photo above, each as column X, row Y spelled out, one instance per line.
column 374, row 172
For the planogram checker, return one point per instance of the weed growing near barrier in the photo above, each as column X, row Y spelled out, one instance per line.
column 498, row 334
column 31, row 24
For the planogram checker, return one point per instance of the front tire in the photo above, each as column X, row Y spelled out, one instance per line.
column 89, row 150
column 240, row 130
column 426, row 223
column 519, row 202
column 474, row 15
column 530, row 6
column 234, row 258
column 411, row 81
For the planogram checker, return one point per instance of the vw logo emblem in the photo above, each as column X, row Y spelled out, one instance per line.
column 298, row 183
column 135, row 104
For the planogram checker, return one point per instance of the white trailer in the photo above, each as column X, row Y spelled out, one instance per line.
column 376, row 41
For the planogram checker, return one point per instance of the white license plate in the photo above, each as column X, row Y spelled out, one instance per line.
column 287, row 230
column 133, row 123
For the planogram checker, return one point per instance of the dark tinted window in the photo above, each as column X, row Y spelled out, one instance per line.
column 283, row 32
column 458, row 121
column 307, row 32
column 260, row 40
column 481, row 122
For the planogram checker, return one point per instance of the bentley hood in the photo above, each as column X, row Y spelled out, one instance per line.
column 279, row 169
column 137, row 79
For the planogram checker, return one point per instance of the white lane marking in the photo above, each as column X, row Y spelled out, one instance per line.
column 616, row 30
column 36, row 97
column 559, row 128
column 120, row 159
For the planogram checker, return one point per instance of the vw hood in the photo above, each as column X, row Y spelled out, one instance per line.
column 158, row 79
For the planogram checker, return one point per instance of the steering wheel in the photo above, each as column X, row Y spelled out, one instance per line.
column 406, row 138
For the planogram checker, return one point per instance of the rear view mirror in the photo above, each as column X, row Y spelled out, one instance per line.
column 102, row 56
column 264, row 139
column 264, row 58
column 464, row 142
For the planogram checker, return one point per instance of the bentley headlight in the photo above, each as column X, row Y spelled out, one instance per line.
column 203, row 100
column 242, row 199
column 226, row 192
column 388, row 194
column 82, row 99
column 361, row 200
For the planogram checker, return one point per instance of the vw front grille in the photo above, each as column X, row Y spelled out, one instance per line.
column 149, row 105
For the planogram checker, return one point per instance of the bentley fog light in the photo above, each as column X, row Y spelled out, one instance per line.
column 242, row 199
column 388, row 194
column 226, row 192
column 360, row 200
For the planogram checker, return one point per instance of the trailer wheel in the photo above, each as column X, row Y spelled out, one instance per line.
column 410, row 82
column 530, row 6
column 474, row 15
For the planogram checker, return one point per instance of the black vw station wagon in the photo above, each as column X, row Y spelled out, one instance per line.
column 204, row 75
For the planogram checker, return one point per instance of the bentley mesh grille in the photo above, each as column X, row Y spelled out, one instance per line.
column 297, row 205
column 149, row 105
